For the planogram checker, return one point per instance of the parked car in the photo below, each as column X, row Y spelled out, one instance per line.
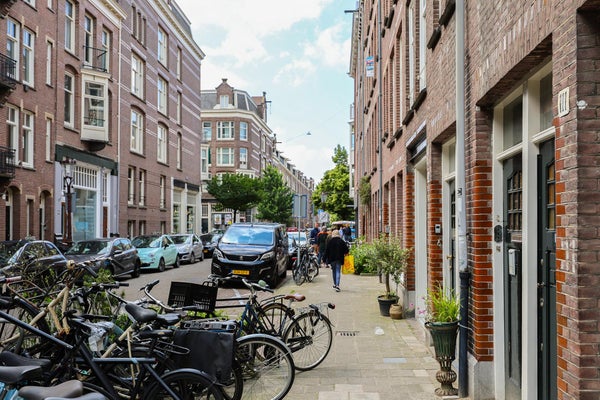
column 256, row 251
column 189, row 246
column 117, row 255
column 209, row 242
column 39, row 261
column 293, row 241
column 156, row 252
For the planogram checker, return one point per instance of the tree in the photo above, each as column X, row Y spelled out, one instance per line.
column 335, row 184
column 276, row 204
column 235, row 191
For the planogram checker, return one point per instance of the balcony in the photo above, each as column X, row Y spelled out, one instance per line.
column 5, row 6
column 7, row 162
column 95, row 58
column 7, row 72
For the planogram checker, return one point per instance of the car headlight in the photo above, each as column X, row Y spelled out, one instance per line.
column 217, row 253
column 268, row 256
column 185, row 249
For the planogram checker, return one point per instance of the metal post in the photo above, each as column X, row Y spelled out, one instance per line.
column 67, row 164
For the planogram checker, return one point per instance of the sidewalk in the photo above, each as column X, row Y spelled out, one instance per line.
column 362, row 365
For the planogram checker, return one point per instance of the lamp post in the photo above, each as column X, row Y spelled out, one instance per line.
column 67, row 164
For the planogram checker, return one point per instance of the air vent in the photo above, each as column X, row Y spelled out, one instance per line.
column 346, row 333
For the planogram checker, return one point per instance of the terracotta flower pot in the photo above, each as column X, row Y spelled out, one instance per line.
column 396, row 311
column 385, row 303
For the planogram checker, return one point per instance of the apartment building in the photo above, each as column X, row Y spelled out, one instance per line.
column 92, row 145
column 475, row 134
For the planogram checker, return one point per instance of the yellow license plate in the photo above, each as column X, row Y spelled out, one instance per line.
column 241, row 272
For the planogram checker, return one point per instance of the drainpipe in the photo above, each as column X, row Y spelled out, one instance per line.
column 461, row 219
column 379, row 117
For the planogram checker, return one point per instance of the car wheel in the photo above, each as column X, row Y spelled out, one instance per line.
column 202, row 256
column 177, row 262
column 274, row 279
column 161, row 265
column 136, row 270
column 192, row 258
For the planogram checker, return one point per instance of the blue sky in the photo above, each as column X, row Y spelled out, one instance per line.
column 298, row 52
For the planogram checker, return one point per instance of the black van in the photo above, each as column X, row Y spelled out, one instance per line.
column 254, row 251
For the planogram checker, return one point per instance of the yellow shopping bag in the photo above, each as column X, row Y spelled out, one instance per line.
column 348, row 267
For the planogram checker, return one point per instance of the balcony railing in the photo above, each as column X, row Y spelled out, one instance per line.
column 95, row 58
column 7, row 162
column 8, row 68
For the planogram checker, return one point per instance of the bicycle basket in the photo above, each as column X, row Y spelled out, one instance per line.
column 203, row 296
column 210, row 351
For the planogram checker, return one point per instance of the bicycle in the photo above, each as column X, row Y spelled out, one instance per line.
column 305, row 266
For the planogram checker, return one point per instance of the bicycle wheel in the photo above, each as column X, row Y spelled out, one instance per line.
column 276, row 316
column 309, row 337
column 19, row 340
column 234, row 387
column 185, row 384
column 298, row 274
column 267, row 367
column 312, row 270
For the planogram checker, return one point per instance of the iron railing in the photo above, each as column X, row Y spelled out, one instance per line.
column 7, row 162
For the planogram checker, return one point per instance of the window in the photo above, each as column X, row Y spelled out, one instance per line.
column 137, row 76
column 48, row 139
column 411, row 54
column 243, row 157
column 69, row 26
column 207, row 131
column 69, row 100
column 179, row 63
column 179, row 149
column 93, row 104
column 225, row 157
column 142, row 227
column 139, row 25
column 162, row 46
column 137, row 132
column 30, row 2
column 224, row 101
column 225, row 130
column 12, row 45
column 28, row 57
column 546, row 102
column 204, row 162
column 243, row 131
column 162, row 95
column 178, row 109
column 49, row 50
column 142, row 188
column 12, row 122
column 106, row 39
column 161, row 140
column 422, row 45
column 130, row 186
column 130, row 229
column 163, row 192
column 27, row 139
column 88, row 40
column 512, row 123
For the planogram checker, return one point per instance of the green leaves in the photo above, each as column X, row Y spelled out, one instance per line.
column 335, row 185
column 442, row 305
column 276, row 203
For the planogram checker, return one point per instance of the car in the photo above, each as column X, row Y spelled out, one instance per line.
column 293, row 240
column 209, row 242
column 117, row 255
column 190, row 247
column 39, row 261
column 253, row 250
column 156, row 252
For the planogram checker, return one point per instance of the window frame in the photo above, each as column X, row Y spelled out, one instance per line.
column 243, row 157
column 162, row 139
column 162, row 88
column 136, row 143
column 243, row 131
column 91, row 102
column 14, row 38
column 223, row 127
column 13, row 130
column 131, row 175
column 28, row 128
column 28, row 57
column 69, row 94
column 138, row 71
column 70, row 26
column 162, row 46
column 230, row 156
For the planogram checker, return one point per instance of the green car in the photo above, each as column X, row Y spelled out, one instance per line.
column 156, row 252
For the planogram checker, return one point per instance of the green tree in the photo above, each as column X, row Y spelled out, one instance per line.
column 335, row 184
column 235, row 191
column 276, row 204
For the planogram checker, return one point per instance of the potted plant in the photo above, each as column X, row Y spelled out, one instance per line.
column 391, row 260
column 443, row 314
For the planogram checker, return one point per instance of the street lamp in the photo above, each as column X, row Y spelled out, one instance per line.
column 67, row 164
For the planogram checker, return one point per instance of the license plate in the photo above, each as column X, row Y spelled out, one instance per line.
column 206, row 251
column 241, row 272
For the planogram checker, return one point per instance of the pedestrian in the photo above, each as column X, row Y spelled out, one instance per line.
column 322, row 244
column 314, row 232
column 347, row 233
column 334, row 256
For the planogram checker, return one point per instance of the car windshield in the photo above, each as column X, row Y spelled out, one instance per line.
column 252, row 235
column 146, row 241
column 95, row 247
column 8, row 248
column 180, row 239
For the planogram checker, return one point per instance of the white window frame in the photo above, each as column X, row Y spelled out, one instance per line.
column 69, row 91
column 162, row 88
column 28, row 57
column 137, row 76
column 30, row 2
column 204, row 162
column 225, row 157
column 162, row 135
column 163, row 192
column 48, row 139
column 70, row 26
column 178, row 108
column 243, row 157
column 49, row 51
column 207, row 131
column 88, row 40
column 163, row 46
column 179, row 150
column 142, row 188
column 12, row 131
column 28, row 139
column 422, row 44
column 179, row 62
column 94, row 104
column 106, row 39
column 13, row 44
column 243, row 131
column 224, row 101
column 130, row 186
column 411, row 54
column 137, row 132
column 225, row 130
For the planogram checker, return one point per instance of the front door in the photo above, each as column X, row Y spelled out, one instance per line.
column 452, row 224
column 547, row 356
column 513, row 239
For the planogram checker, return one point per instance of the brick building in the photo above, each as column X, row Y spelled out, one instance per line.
column 104, row 94
column 526, row 109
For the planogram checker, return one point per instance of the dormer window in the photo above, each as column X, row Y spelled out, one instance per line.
column 224, row 101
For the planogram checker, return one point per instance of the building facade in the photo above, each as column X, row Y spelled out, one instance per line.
column 79, row 116
column 475, row 133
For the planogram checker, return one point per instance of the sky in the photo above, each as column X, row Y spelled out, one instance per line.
column 298, row 52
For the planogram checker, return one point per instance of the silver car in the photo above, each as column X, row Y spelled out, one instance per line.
column 189, row 247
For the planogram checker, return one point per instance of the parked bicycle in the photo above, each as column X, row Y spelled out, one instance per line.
column 305, row 266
